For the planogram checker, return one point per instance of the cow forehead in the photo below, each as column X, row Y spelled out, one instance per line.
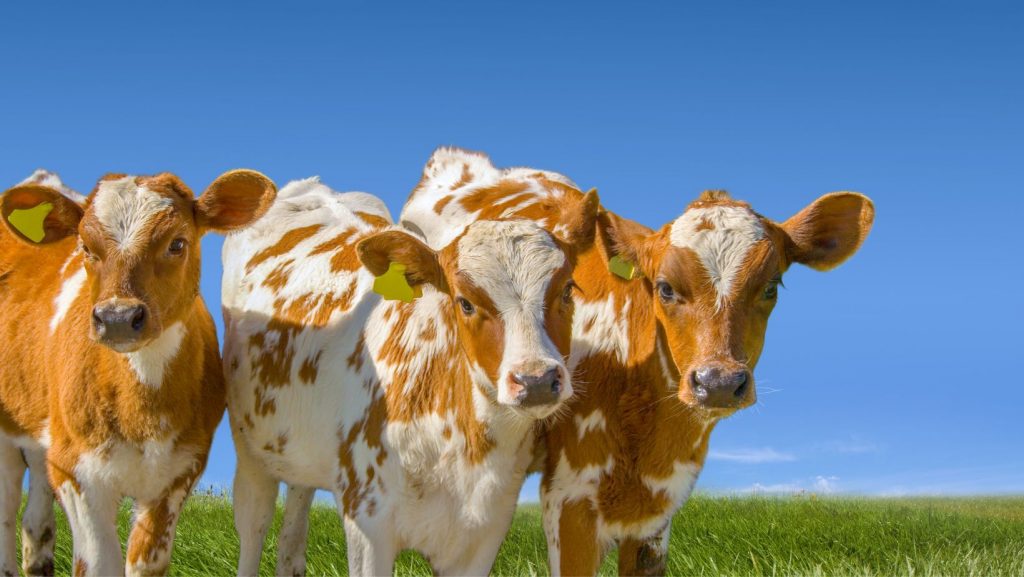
column 512, row 261
column 722, row 237
column 126, row 210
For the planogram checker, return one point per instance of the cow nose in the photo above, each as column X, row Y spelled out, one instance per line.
column 538, row 388
column 719, row 387
column 119, row 322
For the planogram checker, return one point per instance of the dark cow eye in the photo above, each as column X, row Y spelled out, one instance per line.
column 666, row 292
column 177, row 247
column 466, row 306
column 771, row 292
column 89, row 255
column 567, row 292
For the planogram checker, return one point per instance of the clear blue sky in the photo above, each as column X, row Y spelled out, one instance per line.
column 897, row 373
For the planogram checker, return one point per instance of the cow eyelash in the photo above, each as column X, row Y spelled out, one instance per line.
column 771, row 291
column 567, row 291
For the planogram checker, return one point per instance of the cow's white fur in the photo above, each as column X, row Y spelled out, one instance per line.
column 149, row 362
column 66, row 297
column 47, row 178
column 425, row 493
column 125, row 210
column 723, row 247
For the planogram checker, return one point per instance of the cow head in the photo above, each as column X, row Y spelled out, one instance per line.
column 510, row 289
column 715, row 272
column 140, row 239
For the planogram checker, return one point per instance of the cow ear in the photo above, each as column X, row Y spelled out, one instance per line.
column 829, row 230
column 579, row 221
column 39, row 214
column 378, row 252
column 627, row 242
column 236, row 199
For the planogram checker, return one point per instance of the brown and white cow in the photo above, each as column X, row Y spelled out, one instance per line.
column 110, row 376
column 661, row 357
column 418, row 414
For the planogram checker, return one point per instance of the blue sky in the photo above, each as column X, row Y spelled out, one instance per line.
column 897, row 373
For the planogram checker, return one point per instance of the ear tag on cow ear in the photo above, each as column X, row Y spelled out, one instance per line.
column 393, row 285
column 29, row 221
column 622, row 268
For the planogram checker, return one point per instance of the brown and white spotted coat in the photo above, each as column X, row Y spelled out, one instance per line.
column 418, row 416
column 658, row 360
column 110, row 377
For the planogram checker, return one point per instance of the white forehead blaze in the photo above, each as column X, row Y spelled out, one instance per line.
column 512, row 261
column 722, row 236
column 125, row 210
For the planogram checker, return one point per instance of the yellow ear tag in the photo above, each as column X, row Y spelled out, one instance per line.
column 393, row 285
column 621, row 267
column 29, row 221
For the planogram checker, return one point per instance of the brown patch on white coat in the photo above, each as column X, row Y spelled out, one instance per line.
column 692, row 328
column 111, row 366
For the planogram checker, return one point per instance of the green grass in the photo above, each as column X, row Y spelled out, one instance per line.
column 711, row 536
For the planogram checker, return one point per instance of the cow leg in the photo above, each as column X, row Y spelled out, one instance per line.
column 291, row 542
column 38, row 529
column 370, row 552
column 254, row 495
column 92, row 514
column 12, row 470
column 152, row 538
column 571, row 531
column 646, row 557
column 480, row 558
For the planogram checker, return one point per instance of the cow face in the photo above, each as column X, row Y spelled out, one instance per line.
column 715, row 273
column 140, row 239
column 510, row 289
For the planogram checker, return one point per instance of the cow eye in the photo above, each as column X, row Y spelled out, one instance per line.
column 177, row 247
column 466, row 306
column 771, row 292
column 666, row 292
column 567, row 292
column 89, row 255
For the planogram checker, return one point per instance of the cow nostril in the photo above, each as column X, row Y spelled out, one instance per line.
column 743, row 379
column 139, row 319
column 96, row 319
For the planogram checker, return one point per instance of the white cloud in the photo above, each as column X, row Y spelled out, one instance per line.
column 751, row 456
column 819, row 484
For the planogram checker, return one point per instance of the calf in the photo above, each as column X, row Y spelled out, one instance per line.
column 418, row 414
column 110, row 378
column 683, row 317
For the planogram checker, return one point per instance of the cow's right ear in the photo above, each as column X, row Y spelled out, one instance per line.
column 39, row 214
column 379, row 251
column 627, row 242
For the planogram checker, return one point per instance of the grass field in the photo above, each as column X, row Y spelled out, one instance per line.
column 711, row 536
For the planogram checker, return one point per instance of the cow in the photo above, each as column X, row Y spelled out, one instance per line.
column 405, row 380
column 111, row 384
column 669, row 326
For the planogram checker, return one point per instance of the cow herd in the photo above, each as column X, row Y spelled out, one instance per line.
column 418, row 370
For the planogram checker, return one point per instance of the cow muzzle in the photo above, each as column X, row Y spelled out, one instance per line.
column 720, row 386
column 537, row 387
column 121, row 324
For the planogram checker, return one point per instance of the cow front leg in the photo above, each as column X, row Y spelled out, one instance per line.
column 38, row 529
column 645, row 557
column 254, row 495
column 571, row 532
column 12, row 469
column 371, row 551
column 152, row 538
column 92, row 514
column 291, row 542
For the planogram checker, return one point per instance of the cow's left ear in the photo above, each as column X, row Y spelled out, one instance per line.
column 236, row 199
column 39, row 214
column 829, row 230
column 379, row 251
column 579, row 221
